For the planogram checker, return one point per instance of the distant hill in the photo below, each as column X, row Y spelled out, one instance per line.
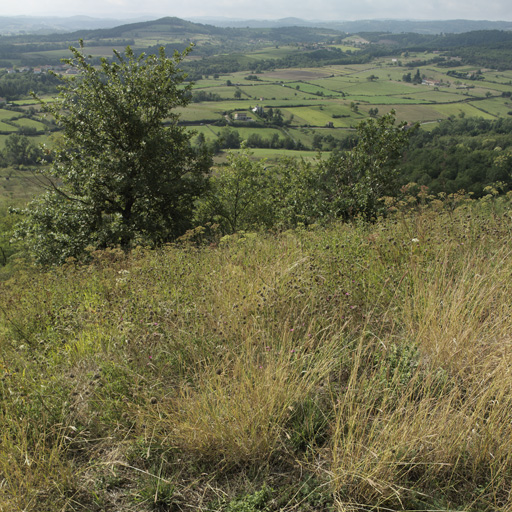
column 176, row 29
column 393, row 26
column 227, row 45
column 14, row 25
column 33, row 49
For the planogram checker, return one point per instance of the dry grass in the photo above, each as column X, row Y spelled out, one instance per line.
column 348, row 368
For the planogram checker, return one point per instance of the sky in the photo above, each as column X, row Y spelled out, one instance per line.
column 335, row 10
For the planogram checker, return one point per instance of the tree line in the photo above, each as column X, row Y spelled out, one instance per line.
column 460, row 154
column 17, row 85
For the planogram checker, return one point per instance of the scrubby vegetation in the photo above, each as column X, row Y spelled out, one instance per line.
column 262, row 336
column 353, row 367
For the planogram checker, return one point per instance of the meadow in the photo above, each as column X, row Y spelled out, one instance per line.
column 387, row 88
column 336, row 368
column 345, row 95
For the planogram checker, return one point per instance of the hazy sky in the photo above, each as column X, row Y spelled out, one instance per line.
column 339, row 10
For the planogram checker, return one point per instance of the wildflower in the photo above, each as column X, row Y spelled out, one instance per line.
column 415, row 240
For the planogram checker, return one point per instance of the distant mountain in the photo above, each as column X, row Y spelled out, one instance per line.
column 392, row 26
column 187, row 31
column 19, row 25
column 16, row 25
column 241, row 23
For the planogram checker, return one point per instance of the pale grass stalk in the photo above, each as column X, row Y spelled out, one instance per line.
column 386, row 448
column 237, row 411
column 462, row 321
column 33, row 473
column 380, row 450
column 460, row 318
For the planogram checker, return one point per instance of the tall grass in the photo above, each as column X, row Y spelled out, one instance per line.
column 352, row 367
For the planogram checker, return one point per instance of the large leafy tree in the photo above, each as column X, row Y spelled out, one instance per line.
column 125, row 172
column 354, row 181
column 238, row 198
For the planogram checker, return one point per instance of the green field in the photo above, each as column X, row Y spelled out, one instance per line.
column 493, row 107
column 382, row 88
column 272, row 91
column 466, row 109
column 30, row 123
column 7, row 127
column 441, row 96
column 314, row 116
column 206, row 83
column 7, row 114
column 209, row 132
column 311, row 88
column 272, row 52
column 271, row 154
column 29, row 101
column 221, row 89
column 337, row 94
column 290, row 74
column 386, row 100
column 199, row 112
column 422, row 113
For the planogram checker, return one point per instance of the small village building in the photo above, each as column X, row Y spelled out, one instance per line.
column 435, row 83
column 241, row 116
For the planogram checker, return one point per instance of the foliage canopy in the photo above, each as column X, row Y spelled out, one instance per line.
column 248, row 195
column 355, row 181
column 125, row 172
